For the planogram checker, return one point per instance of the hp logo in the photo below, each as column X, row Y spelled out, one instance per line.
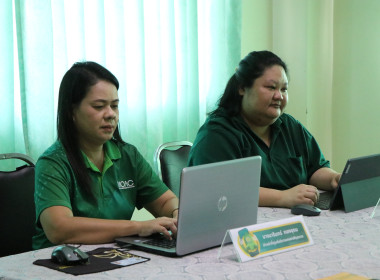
column 222, row 203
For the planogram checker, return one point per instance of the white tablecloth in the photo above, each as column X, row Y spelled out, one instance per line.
column 344, row 242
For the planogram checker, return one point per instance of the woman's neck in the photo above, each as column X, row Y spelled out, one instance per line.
column 262, row 128
column 95, row 155
column 263, row 132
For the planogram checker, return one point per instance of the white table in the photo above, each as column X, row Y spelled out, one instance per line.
column 344, row 242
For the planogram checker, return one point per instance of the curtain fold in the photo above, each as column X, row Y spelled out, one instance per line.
column 35, row 57
column 7, row 129
column 172, row 59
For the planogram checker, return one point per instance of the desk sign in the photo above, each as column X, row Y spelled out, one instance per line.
column 266, row 239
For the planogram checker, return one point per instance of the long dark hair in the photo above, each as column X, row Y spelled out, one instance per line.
column 250, row 68
column 73, row 89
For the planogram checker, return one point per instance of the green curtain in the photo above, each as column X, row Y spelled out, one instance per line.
column 172, row 58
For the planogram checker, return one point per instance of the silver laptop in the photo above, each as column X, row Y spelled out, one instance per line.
column 214, row 197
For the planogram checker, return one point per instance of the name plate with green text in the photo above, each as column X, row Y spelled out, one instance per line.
column 269, row 238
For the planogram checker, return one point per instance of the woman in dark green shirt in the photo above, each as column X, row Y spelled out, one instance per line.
column 250, row 120
column 89, row 182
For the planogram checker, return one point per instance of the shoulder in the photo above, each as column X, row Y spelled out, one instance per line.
column 53, row 161
column 289, row 119
column 222, row 125
column 125, row 149
column 220, row 138
column 220, row 129
column 124, row 154
column 114, row 148
column 56, row 149
column 220, row 118
column 55, row 153
column 293, row 127
column 288, row 122
column 53, row 164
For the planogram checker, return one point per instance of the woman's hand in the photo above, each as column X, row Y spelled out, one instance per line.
column 300, row 194
column 159, row 225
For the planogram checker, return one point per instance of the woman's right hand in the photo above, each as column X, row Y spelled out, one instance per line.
column 159, row 225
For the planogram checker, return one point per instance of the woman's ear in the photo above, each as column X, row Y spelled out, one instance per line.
column 241, row 91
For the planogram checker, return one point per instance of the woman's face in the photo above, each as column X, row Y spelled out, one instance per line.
column 266, row 100
column 97, row 116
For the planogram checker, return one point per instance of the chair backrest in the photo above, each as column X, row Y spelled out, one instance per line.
column 170, row 158
column 17, row 209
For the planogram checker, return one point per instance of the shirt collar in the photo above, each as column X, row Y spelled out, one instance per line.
column 277, row 123
column 111, row 152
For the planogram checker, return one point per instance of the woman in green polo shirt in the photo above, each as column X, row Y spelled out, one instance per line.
column 250, row 121
column 89, row 181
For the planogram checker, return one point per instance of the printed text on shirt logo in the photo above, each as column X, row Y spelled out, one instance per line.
column 125, row 184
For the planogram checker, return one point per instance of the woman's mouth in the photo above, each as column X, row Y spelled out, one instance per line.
column 108, row 128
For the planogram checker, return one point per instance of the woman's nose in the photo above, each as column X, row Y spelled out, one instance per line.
column 110, row 113
column 278, row 95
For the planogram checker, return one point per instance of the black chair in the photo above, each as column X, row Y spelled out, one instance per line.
column 170, row 158
column 17, row 209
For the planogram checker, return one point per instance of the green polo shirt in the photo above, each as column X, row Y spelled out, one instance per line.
column 291, row 159
column 127, row 181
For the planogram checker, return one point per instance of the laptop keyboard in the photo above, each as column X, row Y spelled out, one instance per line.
column 324, row 200
column 161, row 242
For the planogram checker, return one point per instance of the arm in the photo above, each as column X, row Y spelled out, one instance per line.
column 320, row 174
column 325, row 179
column 300, row 194
column 164, row 206
column 61, row 226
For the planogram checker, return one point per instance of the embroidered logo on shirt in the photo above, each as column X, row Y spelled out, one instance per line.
column 125, row 184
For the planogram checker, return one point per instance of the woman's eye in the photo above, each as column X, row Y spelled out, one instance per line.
column 97, row 107
column 115, row 106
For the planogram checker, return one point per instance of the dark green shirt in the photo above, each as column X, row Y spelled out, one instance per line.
column 127, row 181
column 291, row 159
